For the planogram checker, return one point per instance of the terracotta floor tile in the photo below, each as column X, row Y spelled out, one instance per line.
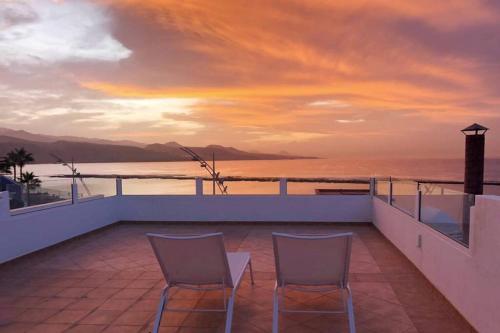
column 92, row 282
column 122, row 329
column 142, row 283
column 198, row 330
column 117, row 283
column 85, row 304
column 67, row 316
column 204, row 319
column 103, row 292
column 117, row 304
column 145, row 305
column 49, row 328
column 134, row 318
column 36, row 315
column 46, row 292
column 55, row 303
column 16, row 328
column 86, row 329
column 7, row 300
column 100, row 317
column 162, row 330
column 27, row 302
column 74, row 292
column 130, row 293
column 110, row 280
column 8, row 314
column 173, row 319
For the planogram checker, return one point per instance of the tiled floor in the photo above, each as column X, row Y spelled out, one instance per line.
column 109, row 281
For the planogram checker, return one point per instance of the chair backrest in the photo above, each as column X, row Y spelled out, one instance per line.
column 194, row 260
column 312, row 259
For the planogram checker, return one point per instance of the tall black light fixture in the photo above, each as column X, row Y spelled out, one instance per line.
column 474, row 158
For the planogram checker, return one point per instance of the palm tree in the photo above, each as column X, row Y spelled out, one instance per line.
column 5, row 165
column 19, row 158
column 11, row 159
column 23, row 157
column 31, row 182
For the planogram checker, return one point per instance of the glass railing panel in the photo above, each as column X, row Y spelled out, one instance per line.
column 404, row 196
column 447, row 211
column 89, row 187
column 155, row 186
column 49, row 190
column 488, row 189
column 243, row 187
column 382, row 189
column 441, row 189
column 492, row 189
column 327, row 188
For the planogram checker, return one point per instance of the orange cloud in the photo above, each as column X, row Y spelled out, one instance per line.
column 257, row 71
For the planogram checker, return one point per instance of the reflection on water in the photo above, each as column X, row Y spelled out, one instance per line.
column 158, row 186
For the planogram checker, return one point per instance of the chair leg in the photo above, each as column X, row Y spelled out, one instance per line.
column 251, row 270
column 275, row 309
column 229, row 314
column 350, row 312
column 159, row 311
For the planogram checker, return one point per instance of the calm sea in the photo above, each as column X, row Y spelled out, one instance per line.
column 441, row 169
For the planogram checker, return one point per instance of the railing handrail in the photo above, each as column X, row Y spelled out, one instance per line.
column 439, row 218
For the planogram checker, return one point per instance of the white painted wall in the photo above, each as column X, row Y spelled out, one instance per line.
column 29, row 229
column 273, row 208
column 468, row 278
column 24, row 233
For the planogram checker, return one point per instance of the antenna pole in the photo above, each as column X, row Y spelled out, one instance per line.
column 210, row 169
column 73, row 170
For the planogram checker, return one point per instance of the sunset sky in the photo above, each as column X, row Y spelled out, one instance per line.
column 349, row 78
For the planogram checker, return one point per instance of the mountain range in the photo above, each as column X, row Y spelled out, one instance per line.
column 90, row 150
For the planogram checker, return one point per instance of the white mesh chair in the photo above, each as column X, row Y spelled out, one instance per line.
column 201, row 263
column 312, row 263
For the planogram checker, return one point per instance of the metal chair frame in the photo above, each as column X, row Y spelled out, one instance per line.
column 343, row 287
column 228, row 302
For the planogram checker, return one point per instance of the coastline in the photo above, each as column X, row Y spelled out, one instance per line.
column 357, row 180
column 353, row 180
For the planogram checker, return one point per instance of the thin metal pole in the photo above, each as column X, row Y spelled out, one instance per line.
column 214, row 173
column 418, row 206
column 389, row 199
column 73, row 170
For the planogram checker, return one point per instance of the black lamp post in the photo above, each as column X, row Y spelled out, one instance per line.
column 474, row 171
column 474, row 158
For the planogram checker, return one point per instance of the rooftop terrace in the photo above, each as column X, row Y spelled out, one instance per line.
column 109, row 281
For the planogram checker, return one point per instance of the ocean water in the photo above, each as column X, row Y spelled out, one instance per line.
column 437, row 169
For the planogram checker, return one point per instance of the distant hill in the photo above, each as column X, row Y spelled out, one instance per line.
column 221, row 152
column 90, row 152
column 24, row 135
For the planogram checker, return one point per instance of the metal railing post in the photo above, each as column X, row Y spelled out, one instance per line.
column 283, row 186
column 372, row 187
column 74, row 193
column 389, row 198
column 119, row 186
column 199, row 186
column 418, row 206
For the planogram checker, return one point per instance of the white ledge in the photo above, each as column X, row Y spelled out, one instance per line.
column 92, row 197
column 36, row 208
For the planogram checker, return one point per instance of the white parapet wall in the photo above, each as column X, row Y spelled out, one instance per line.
column 249, row 208
column 30, row 229
column 468, row 277
column 26, row 230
